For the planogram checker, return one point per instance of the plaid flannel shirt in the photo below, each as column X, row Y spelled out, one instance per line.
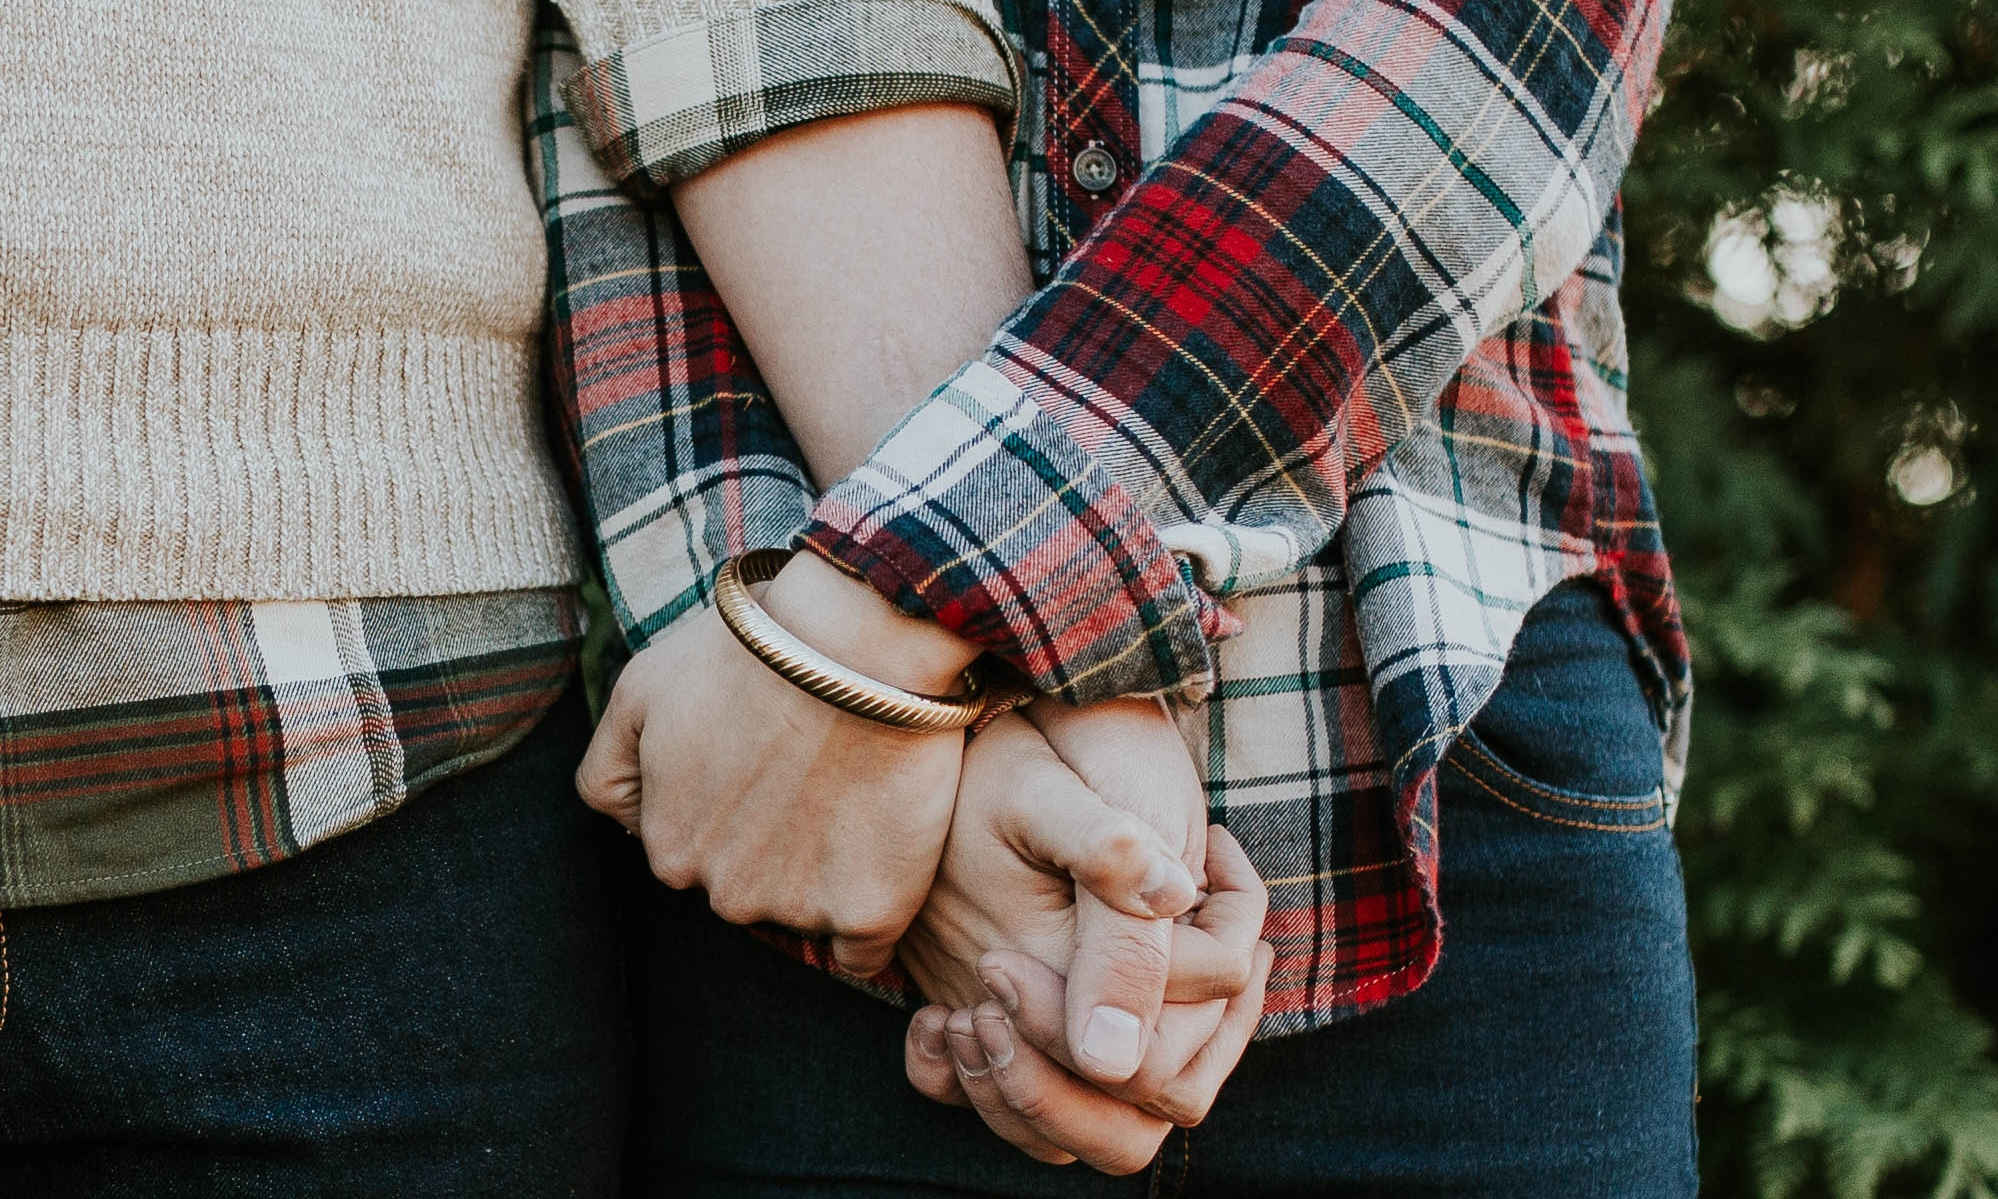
column 146, row 745
column 1323, row 389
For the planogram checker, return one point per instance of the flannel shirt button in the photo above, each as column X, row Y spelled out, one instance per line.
column 1095, row 168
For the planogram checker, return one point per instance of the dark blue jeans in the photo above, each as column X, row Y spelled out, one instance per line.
column 1550, row 1054
column 432, row 1005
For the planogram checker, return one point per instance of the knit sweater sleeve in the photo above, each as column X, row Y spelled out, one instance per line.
column 671, row 87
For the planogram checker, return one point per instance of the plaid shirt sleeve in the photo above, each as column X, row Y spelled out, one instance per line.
column 677, row 455
column 1260, row 319
column 670, row 87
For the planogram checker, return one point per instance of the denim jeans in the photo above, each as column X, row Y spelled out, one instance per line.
column 1550, row 1054
column 434, row 1004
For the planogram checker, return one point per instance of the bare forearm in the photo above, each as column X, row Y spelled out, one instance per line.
column 863, row 259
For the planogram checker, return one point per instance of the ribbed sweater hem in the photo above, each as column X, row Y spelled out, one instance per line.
column 243, row 463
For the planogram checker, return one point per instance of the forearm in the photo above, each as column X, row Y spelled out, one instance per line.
column 863, row 260
column 1277, row 302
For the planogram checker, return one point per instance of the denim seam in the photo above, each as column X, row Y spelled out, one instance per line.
column 1551, row 819
column 6, row 973
column 1635, row 804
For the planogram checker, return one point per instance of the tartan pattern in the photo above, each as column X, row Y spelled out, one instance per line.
column 666, row 107
column 1316, row 402
column 152, row 744
column 1014, row 498
column 680, row 458
column 1260, row 318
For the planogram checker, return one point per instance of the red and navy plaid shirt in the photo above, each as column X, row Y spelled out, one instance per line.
column 1322, row 389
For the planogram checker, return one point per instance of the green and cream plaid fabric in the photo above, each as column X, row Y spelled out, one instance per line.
column 668, row 106
column 149, row 745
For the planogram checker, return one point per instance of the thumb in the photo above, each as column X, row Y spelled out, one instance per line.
column 609, row 776
column 1066, row 828
column 1116, row 986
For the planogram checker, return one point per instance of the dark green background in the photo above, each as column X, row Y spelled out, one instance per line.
column 1813, row 303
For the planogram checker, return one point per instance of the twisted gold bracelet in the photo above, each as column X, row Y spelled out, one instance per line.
column 821, row 677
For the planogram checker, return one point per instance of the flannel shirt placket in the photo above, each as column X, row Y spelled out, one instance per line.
column 1312, row 410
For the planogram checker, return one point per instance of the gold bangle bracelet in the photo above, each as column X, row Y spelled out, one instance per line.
column 819, row 676
column 1005, row 691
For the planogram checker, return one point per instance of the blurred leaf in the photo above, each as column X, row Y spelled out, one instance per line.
column 1837, row 826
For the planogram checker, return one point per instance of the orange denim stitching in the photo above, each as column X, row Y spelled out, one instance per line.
column 1614, row 805
column 6, row 972
column 1512, row 803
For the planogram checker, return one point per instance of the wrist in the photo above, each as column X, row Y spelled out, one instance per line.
column 851, row 623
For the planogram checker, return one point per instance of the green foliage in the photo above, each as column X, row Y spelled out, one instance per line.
column 1813, row 297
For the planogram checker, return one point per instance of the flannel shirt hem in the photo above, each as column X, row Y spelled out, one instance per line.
column 670, row 106
column 936, row 520
column 156, row 744
column 389, row 795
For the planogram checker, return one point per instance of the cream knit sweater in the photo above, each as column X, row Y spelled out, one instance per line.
column 271, row 274
column 270, row 289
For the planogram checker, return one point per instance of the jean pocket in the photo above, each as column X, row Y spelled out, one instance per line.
column 1472, row 762
column 1569, row 736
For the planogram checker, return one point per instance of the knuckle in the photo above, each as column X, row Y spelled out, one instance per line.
column 869, row 920
column 863, row 961
column 1184, row 1108
column 870, row 930
column 732, row 906
column 1135, row 957
column 671, row 866
column 1145, row 1089
column 1131, row 1158
column 1233, row 973
column 1031, row 1105
column 928, row 1083
column 735, row 896
column 1118, row 845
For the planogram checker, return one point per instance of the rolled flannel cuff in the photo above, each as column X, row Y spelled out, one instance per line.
column 669, row 106
column 979, row 511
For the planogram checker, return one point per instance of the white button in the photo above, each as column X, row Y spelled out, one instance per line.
column 1095, row 168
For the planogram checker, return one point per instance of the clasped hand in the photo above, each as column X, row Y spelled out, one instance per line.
column 1089, row 944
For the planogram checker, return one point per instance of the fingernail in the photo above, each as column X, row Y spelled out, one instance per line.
column 1001, row 986
column 1168, row 886
column 970, row 1058
column 930, row 1039
column 1110, row 1039
column 995, row 1036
